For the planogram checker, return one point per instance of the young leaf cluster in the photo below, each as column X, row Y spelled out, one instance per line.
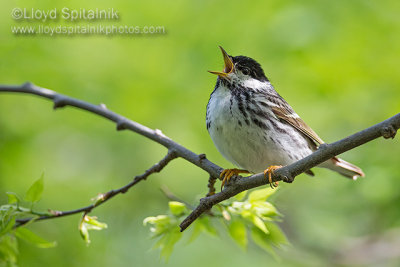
column 9, row 213
column 249, row 217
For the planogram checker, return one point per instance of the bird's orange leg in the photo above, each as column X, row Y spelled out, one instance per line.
column 227, row 174
column 269, row 172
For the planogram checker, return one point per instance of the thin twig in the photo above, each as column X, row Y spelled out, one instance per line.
column 171, row 155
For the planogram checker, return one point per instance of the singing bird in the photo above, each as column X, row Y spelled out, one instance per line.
column 253, row 127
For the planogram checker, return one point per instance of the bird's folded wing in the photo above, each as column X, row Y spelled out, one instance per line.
column 286, row 113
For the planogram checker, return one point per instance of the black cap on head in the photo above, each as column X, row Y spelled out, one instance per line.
column 249, row 67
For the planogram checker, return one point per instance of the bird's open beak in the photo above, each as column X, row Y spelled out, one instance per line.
column 228, row 65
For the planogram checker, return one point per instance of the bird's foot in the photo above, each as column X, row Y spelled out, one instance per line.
column 227, row 174
column 269, row 172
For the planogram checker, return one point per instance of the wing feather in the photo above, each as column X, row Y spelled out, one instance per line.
column 284, row 112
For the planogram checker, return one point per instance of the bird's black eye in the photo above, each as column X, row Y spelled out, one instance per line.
column 245, row 71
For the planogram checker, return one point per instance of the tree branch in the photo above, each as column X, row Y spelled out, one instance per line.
column 387, row 129
column 123, row 123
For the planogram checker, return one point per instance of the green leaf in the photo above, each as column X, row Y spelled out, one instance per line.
column 206, row 225
column 7, row 226
column 167, row 241
column 27, row 235
column 12, row 197
column 90, row 223
column 197, row 229
column 8, row 214
column 176, row 208
column 237, row 230
column 161, row 242
column 202, row 224
column 93, row 224
column 160, row 219
column 241, row 195
column 8, row 250
column 247, row 214
column 276, row 235
column 84, row 232
column 161, row 223
column 34, row 193
column 261, row 240
column 259, row 223
column 261, row 195
column 265, row 209
column 170, row 240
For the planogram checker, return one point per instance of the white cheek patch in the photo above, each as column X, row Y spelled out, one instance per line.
column 255, row 84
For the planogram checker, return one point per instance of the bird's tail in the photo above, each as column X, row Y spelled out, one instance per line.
column 344, row 168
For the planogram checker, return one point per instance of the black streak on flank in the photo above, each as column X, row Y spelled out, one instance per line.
column 240, row 123
column 263, row 104
column 256, row 112
column 277, row 128
column 278, row 142
column 260, row 124
column 230, row 105
column 246, row 94
column 240, row 106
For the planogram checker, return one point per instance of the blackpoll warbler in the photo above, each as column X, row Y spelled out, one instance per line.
column 254, row 127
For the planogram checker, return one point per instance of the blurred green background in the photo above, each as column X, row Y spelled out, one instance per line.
column 335, row 62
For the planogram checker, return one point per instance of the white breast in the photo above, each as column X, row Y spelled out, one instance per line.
column 239, row 144
column 246, row 145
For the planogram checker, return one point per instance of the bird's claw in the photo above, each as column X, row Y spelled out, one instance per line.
column 227, row 174
column 269, row 172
